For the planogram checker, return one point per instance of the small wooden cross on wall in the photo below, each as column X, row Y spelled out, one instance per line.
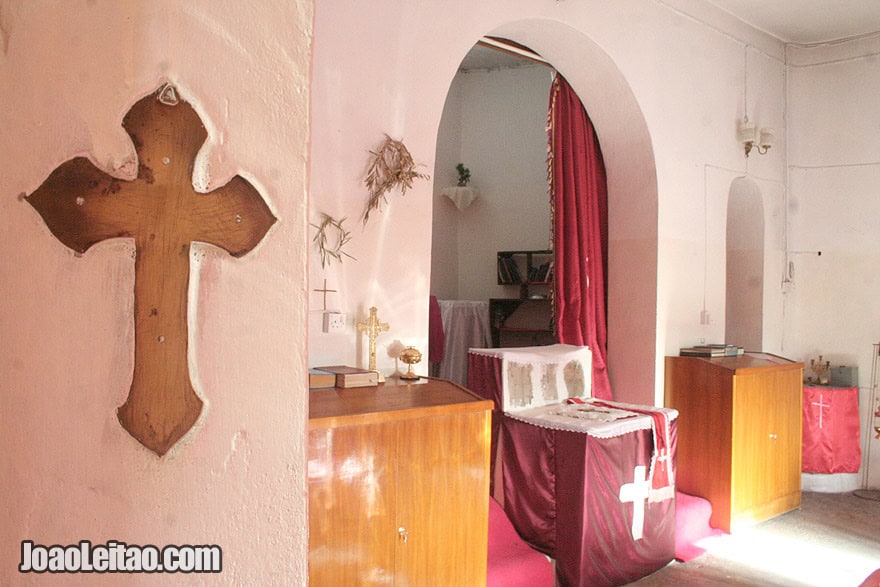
column 325, row 291
column 162, row 212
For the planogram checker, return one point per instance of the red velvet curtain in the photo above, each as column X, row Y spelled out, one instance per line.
column 579, row 209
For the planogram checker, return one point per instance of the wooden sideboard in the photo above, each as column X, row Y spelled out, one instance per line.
column 398, row 485
column 739, row 434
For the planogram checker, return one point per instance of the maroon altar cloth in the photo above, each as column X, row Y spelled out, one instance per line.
column 831, row 433
column 562, row 492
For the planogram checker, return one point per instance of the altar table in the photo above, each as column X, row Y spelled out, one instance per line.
column 580, row 499
column 831, row 430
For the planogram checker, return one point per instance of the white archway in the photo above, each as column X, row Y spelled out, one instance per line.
column 744, row 312
column 634, row 366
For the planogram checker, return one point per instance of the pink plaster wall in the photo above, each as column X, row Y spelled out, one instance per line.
column 398, row 85
column 663, row 85
column 68, row 74
column 663, row 82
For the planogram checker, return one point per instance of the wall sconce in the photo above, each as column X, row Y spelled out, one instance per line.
column 752, row 137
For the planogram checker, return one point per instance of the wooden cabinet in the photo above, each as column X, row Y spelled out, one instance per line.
column 398, row 485
column 739, row 434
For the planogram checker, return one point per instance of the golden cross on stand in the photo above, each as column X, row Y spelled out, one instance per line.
column 326, row 291
column 372, row 326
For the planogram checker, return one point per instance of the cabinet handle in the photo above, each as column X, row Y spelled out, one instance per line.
column 403, row 533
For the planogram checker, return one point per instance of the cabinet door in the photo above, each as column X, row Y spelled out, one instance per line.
column 443, row 500
column 352, row 492
column 785, row 477
column 754, row 445
column 766, row 464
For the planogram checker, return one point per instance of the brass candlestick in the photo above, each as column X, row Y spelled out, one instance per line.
column 822, row 369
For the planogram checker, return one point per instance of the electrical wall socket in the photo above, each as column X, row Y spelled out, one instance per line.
column 334, row 321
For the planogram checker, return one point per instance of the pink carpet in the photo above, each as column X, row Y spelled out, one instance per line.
column 692, row 525
column 512, row 562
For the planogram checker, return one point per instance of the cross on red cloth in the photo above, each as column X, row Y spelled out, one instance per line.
column 831, row 430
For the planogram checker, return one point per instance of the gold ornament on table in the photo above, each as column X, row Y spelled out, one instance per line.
column 411, row 356
column 372, row 326
column 822, row 370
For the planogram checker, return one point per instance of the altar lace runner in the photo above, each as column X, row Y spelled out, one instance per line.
column 541, row 375
column 607, row 419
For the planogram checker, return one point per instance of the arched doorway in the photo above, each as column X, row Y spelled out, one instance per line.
column 744, row 313
column 634, row 365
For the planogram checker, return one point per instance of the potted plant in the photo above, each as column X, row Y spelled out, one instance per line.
column 464, row 174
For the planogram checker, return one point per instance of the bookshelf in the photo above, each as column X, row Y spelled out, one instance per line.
column 525, row 318
column 527, row 269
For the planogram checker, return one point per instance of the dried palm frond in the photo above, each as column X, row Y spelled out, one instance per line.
column 335, row 250
column 391, row 167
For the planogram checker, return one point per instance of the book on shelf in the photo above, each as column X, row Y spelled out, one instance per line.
column 541, row 273
column 508, row 271
column 351, row 376
column 319, row 379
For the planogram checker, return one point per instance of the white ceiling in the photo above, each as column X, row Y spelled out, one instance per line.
column 802, row 22
column 807, row 21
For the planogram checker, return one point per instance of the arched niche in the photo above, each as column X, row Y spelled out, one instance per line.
column 744, row 312
column 632, row 200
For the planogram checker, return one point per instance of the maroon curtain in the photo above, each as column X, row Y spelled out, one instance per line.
column 578, row 202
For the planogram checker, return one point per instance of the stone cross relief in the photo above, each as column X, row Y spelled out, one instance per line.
column 82, row 206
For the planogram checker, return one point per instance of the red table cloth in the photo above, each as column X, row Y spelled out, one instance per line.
column 831, row 430
column 580, row 499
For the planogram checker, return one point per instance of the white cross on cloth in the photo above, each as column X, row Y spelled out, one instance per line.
column 637, row 492
column 822, row 405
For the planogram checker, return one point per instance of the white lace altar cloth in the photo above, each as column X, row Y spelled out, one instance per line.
column 541, row 375
column 599, row 421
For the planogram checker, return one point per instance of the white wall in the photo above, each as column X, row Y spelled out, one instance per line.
column 445, row 216
column 69, row 471
column 502, row 119
column 664, row 85
column 832, row 307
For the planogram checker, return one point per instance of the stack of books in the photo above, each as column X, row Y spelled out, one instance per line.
column 341, row 376
column 711, row 350
column 319, row 379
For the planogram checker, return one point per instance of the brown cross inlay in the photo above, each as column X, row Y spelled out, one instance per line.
column 163, row 213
